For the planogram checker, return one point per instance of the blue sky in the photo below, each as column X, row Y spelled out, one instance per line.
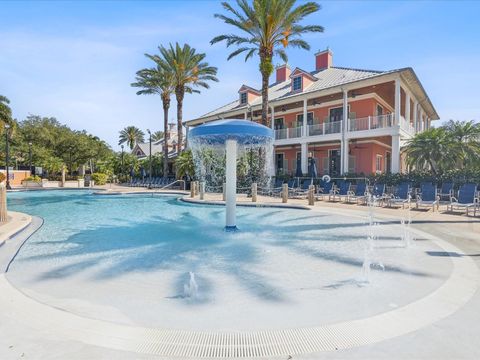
column 75, row 60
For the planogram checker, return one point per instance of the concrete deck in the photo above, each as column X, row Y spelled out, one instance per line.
column 33, row 330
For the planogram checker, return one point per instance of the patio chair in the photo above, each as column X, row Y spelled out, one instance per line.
column 342, row 190
column 401, row 195
column 302, row 191
column 378, row 193
column 324, row 189
column 359, row 194
column 467, row 198
column 446, row 191
column 428, row 196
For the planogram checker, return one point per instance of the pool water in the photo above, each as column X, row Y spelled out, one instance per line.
column 127, row 258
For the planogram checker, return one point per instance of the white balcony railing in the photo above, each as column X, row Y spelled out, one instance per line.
column 371, row 122
column 335, row 127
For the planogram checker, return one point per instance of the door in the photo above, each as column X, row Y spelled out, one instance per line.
column 334, row 162
column 336, row 114
column 278, row 124
column 279, row 163
column 388, row 162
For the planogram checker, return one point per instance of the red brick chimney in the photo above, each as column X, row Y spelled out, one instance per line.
column 283, row 73
column 323, row 59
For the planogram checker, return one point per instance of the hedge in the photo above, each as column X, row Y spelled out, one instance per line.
column 99, row 178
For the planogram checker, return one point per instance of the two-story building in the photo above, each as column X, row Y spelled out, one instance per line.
column 383, row 109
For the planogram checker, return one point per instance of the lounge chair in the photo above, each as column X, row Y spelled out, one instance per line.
column 446, row 191
column 293, row 185
column 378, row 193
column 303, row 190
column 428, row 196
column 324, row 189
column 359, row 194
column 467, row 198
column 342, row 190
column 401, row 195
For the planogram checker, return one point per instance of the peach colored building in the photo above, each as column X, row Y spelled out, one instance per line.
column 383, row 110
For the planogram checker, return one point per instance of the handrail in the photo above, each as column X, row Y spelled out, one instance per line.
column 176, row 181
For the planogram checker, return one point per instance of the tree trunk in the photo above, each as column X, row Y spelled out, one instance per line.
column 265, row 78
column 166, row 105
column 179, row 94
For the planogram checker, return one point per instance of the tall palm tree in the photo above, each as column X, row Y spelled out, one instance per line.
column 465, row 137
column 268, row 27
column 190, row 71
column 431, row 149
column 158, row 81
column 131, row 135
column 158, row 135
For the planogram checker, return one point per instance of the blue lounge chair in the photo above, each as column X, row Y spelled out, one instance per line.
column 359, row 193
column 446, row 191
column 467, row 198
column 324, row 189
column 401, row 195
column 302, row 191
column 428, row 196
column 342, row 190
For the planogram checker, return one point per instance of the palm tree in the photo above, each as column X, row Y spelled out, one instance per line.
column 184, row 165
column 432, row 149
column 158, row 81
column 131, row 135
column 158, row 135
column 189, row 72
column 465, row 137
column 268, row 27
column 5, row 111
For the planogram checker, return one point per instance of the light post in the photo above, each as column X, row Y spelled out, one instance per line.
column 122, row 171
column 7, row 156
column 30, row 157
column 150, row 160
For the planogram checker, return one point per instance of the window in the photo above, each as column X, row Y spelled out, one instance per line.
column 243, row 98
column 279, row 162
column 351, row 164
column 279, row 124
column 297, row 83
column 309, row 119
column 379, row 110
column 378, row 164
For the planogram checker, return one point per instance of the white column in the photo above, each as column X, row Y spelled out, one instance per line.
column 395, row 154
column 304, row 130
column 274, row 165
column 246, row 116
column 304, row 162
column 407, row 108
column 415, row 115
column 231, row 181
column 344, row 141
column 344, row 154
column 397, row 101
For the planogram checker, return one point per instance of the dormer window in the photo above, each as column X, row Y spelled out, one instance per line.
column 297, row 83
column 243, row 98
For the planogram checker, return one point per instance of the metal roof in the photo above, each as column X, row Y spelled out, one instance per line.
column 325, row 79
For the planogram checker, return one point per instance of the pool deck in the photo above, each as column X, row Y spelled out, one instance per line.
column 454, row 336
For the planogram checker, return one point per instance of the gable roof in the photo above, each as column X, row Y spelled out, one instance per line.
column 245, row 88
column 299, row 71
column 326, row 79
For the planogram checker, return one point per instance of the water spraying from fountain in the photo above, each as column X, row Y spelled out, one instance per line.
column 407, row 235
column 190, row 290
column 227, row 151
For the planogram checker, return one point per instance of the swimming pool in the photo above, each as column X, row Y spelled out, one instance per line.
column 127, row 258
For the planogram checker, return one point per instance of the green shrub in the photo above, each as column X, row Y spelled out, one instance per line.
column 99, row 178
column 34, row 178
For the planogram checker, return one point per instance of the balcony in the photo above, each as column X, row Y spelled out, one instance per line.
column 288, row 133
column 334, row 127
column 369, row 123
